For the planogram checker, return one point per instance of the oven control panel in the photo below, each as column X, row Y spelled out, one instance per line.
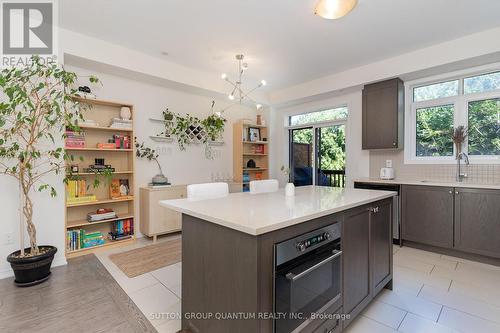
column 307, row 243
column 302, row 244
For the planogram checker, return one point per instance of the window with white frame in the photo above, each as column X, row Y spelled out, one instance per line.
column 436, row 108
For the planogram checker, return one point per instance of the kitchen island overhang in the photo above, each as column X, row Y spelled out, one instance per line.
column 229, row 253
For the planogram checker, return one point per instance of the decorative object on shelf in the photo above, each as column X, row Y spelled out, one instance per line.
column 251, row 164
column 254, row 134
column 459, row 136
column 334, row 9
column 75, row 169
column 259, row 119
column 237, row 93
column 289, row 187
column 151, row 155
column 125, row 113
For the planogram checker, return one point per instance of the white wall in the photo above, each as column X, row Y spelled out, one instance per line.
column 181, row 167
column 357, row 160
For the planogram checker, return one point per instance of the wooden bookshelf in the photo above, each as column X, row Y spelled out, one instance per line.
column 243, row 151
column 123, row 160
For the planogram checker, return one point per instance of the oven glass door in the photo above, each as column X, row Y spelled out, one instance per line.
column 307, row 284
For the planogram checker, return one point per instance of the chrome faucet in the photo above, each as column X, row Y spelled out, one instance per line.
column 460, row 175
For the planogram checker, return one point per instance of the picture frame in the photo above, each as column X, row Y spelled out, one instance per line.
column 254, row 134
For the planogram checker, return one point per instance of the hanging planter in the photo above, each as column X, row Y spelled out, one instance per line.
column 189, row 129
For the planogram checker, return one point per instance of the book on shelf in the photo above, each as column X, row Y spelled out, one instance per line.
column 121, row 229
column 77, row 192
column 74, row 139
column 84, row 199
column 106, row 145
column 78, row 239
column 119, row 189
column 101, row 214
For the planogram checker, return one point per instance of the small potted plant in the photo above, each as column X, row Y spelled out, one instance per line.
column 151, row 155
column 35, row 111
column 289, row 187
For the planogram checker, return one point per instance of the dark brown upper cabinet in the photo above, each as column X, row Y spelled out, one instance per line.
column 383, row 115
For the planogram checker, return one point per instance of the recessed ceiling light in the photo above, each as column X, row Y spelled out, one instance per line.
column 334, row 9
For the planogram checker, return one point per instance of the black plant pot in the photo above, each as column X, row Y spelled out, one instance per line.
column 30, row 271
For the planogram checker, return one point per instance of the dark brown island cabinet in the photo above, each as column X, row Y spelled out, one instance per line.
column 459, row 221
column 225, row 271
column 383, row 115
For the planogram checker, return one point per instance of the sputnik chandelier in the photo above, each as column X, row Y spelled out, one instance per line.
column 238, row 94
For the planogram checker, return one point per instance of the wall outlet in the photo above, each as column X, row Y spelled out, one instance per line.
column 8, row 239
column 388, row 163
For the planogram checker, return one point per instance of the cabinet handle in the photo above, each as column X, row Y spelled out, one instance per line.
column 451, row 192
column 373, row 209
column 456, row 192
column 394, row 143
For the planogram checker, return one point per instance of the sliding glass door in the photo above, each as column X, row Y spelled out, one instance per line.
column 330, row 155
column 318, row 155
column 302, row 156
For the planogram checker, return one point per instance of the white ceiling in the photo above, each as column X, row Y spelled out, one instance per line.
column 282, row 40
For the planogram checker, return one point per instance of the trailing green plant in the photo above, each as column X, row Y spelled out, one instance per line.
column 204, row 130
column 36, row 109
column 214, row 126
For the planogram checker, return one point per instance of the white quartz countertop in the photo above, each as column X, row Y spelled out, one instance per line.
column 257, row 214
column 428, row 183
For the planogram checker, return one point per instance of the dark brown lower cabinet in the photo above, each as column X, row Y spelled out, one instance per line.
column 427, row 213
column 381, row 245
column 356, row 259
column 477, row 221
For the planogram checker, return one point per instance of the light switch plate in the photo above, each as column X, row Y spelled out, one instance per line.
column 388, row 163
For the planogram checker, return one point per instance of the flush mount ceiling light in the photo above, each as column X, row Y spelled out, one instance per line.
column 334, row 9
column 237, row 94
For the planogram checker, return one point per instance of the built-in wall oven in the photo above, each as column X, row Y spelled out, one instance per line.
column 307, row 279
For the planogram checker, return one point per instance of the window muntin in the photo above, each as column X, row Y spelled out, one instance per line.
column 332, row 114
column 434, row 126
column 484, row 127
column 482, row 83
column 436, row 90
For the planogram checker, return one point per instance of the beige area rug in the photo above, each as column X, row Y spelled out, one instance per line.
column 149, row 258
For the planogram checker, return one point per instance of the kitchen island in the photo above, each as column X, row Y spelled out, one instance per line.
column 333, row 245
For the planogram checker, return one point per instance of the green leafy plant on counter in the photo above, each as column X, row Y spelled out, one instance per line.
column 36, row 109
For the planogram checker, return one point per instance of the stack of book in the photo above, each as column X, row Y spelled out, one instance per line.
column 77, row 192
column 101, row 214
column 122, row 229
column 88, row 123
column 119, row 123
column 75, row 139
column 78, row 239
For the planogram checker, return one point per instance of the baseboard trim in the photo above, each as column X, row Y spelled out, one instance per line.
column 454, row 253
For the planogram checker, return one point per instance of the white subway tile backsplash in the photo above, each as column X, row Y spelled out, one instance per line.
column 477, row 173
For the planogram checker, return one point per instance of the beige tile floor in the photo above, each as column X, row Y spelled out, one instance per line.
column 432, row 293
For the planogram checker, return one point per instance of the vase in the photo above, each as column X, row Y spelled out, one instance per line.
column 290, row 189
column 125, row 113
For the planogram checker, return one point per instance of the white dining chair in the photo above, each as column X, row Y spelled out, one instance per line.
column 207, row 190
column 264, row 186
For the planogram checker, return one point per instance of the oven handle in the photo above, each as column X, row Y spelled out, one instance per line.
column 294, row 277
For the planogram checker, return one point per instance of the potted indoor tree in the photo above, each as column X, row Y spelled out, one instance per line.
column 35, row 110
